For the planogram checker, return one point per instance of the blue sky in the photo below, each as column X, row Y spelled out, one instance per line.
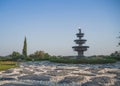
column 51, row 25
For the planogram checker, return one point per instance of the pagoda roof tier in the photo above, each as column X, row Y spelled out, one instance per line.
column 80, row 48
column 80, row 41
column 80, row 34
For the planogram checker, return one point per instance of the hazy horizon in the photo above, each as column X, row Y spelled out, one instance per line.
column 51, row 25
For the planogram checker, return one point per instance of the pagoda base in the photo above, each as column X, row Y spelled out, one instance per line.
column 79, row 57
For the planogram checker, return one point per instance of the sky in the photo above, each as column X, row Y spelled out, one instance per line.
column 51, row 25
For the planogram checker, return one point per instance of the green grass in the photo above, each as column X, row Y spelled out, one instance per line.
column 4, row 65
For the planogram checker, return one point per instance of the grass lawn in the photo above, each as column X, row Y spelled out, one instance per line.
column 7, row 64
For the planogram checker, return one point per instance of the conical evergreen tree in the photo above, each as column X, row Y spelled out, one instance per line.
column 24, row 51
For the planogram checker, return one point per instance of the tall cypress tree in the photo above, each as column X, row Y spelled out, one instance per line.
column 119, row 40
column 24, row 52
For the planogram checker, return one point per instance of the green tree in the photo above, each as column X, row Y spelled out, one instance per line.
column 24, row 51
column 39, row 55
column 119, row 40
column 46, row 55
column 15, row 54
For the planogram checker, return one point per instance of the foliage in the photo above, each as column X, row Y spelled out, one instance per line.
column 83, row 60
column 115, row 54
column 8, row 58
column 15, row 54
column 39, row 55
column 24, row 52
column 119, row 41
column 89, row 60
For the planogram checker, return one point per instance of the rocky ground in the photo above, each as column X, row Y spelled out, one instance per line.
column 56, row 74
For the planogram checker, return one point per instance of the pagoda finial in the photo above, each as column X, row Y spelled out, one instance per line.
column 79, row 30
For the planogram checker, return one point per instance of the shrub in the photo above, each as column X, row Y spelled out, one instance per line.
column 83, row 60
column 39, row 55
column 15, row 55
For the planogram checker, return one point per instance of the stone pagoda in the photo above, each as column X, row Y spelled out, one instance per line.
column 80, row 48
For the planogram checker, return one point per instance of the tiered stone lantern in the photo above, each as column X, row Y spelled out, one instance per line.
column 80, row 48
